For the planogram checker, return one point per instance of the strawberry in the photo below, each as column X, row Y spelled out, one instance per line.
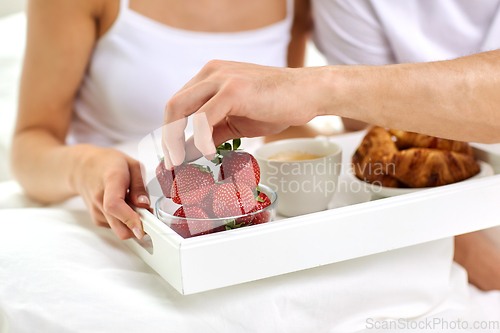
column 191, row 184
column 261, row 217
column 165, row 178
column 180, row 212
column 180, row 226
column 232, row 199
column 239, row 166
column 189, row 228
column 207, row 203
column 263, row 201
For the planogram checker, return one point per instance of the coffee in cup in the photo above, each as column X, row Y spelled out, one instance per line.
column 304, row 173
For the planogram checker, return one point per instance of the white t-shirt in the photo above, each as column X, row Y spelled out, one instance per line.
column 380, row 32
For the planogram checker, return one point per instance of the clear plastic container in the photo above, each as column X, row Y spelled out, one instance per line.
column 190, row 227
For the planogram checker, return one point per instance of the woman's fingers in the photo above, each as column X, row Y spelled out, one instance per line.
column 98, row 217
column 120, row 229
column 115, row 207
column 137, row 191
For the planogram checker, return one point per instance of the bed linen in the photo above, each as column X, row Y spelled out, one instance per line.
column 60, row 273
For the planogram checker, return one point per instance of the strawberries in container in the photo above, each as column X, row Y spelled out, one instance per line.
column 189, row 223
column 165, row 178
column 191, row 184
column 195, row 204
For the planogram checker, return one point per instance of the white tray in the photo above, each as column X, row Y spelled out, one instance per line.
column 241, row 255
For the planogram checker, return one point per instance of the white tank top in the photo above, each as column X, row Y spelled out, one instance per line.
column 140, row 63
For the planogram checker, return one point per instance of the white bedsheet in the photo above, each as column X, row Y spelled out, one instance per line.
column 59, row 273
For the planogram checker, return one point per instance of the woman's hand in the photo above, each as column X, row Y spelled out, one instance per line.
column 233, row 100
column 107, row 179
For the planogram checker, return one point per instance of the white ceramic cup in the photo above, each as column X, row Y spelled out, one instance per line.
column 303, row 187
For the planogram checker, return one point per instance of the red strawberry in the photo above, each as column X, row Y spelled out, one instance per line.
column 241, row 167
column 219, row 226
column 263, row 201
column 180, row 226
column 232, row 199
column 165, row 178
column 261, row 217
column 189, row 228
column 191, row 184
column 207, row 203
column 180, row 212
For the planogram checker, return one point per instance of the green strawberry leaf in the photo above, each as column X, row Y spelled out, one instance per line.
column 202, row 168
column 221, row 147
column 217, row 160
column 259, row 199
column 236, row 143
column 232, row 224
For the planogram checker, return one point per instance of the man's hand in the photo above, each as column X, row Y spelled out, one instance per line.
column 233, row 100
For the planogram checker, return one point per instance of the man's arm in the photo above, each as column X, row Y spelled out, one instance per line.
column 455, row 99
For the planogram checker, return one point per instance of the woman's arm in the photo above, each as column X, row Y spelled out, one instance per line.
column 455, row 99
column 301, row 29
column 61, row 36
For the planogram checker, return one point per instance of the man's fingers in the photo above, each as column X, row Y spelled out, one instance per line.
column 114, row 205
column 210, row 68
column 166, row 158
column 192, row 153
column 179, row 107
column 209, row 115
column 173, row 141
column 189, row 100
column 137, row 195
column 203, row 135
column 222, row 132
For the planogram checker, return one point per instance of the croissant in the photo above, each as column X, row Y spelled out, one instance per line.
column 405, row 140
column 370, row 159
column 412, row 159
column 424, row 167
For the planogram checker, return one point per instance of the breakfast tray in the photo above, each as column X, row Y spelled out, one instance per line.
column 241, row 255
